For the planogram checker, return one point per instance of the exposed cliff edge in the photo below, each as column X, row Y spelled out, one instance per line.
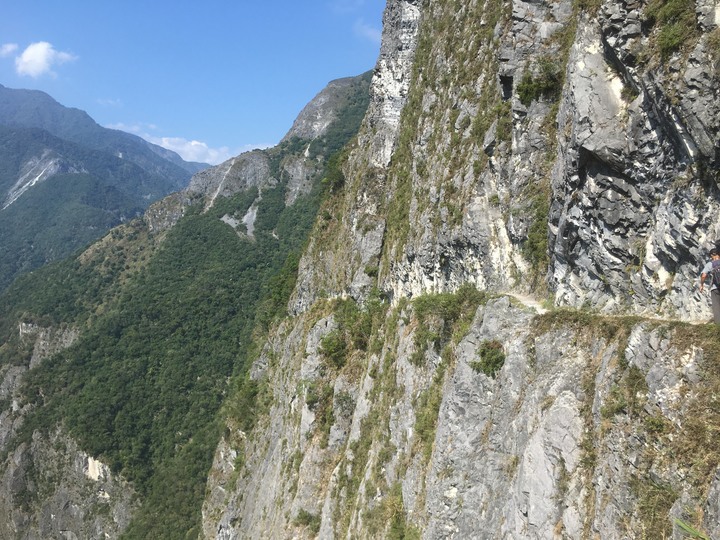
column 564, row 149
column 584, row 426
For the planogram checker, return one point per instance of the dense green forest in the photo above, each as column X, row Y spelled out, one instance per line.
column 168, row 322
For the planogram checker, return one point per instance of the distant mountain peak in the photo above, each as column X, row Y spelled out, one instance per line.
column 65, row 180
column 319, row 114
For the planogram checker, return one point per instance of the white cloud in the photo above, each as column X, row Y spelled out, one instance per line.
column 109, row 102
column 193, row 150
column 8, row 49
column 199, row 151
column 189, row 150
column 366, row 31
column 39, row 59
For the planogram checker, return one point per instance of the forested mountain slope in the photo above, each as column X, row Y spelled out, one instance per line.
column 390, row 381
column 116, row 361
column 65, row 181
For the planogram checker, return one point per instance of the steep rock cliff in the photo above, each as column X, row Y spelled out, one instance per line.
column 634, row 193
column 563, row 149
column 296, row 161
column 588, row 427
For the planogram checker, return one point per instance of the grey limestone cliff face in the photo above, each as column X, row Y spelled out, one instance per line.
column 356, row 241
column 164, row 215
column 623, row 149
column 391, row 81
column 570, row 438
column 635, row 197
column 510, row 147
column 628, row 153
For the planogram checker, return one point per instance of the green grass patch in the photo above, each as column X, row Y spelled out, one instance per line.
column 628, row 396
column 654, row 503
column 444, row 316
column 355, row 326
column 426, row 413
column 676, row 23
column 309, row 520
column 544, row 79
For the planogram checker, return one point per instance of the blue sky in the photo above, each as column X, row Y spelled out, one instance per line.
column 207, row 79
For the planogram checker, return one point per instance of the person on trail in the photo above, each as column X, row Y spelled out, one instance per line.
column 712, row 270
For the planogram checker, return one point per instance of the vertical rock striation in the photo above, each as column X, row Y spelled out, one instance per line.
column 635, row 202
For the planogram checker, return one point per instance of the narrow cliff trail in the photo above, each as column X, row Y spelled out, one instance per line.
column 528, row 301
column 537, row 306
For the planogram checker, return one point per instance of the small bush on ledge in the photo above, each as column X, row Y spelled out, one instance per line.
column 492, row 358
column 544, row 81
column 309, row 520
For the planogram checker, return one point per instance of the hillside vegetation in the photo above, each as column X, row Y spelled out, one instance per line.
column 166, row 322
column 65, row 180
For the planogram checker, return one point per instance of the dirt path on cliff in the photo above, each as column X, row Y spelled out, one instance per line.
column 528, row 301
column 534, row 304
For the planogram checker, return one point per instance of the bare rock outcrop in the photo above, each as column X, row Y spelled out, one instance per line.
column 52, row 489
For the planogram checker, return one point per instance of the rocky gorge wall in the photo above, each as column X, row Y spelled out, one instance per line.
column 577, row 434
column 495, row 330
column 52, row 488
column 53, row 482
column 560, row 149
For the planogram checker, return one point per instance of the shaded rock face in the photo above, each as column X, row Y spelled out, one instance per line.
column 517, row 147
column 300, row 173
column 164, row 215
column 47, row 341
